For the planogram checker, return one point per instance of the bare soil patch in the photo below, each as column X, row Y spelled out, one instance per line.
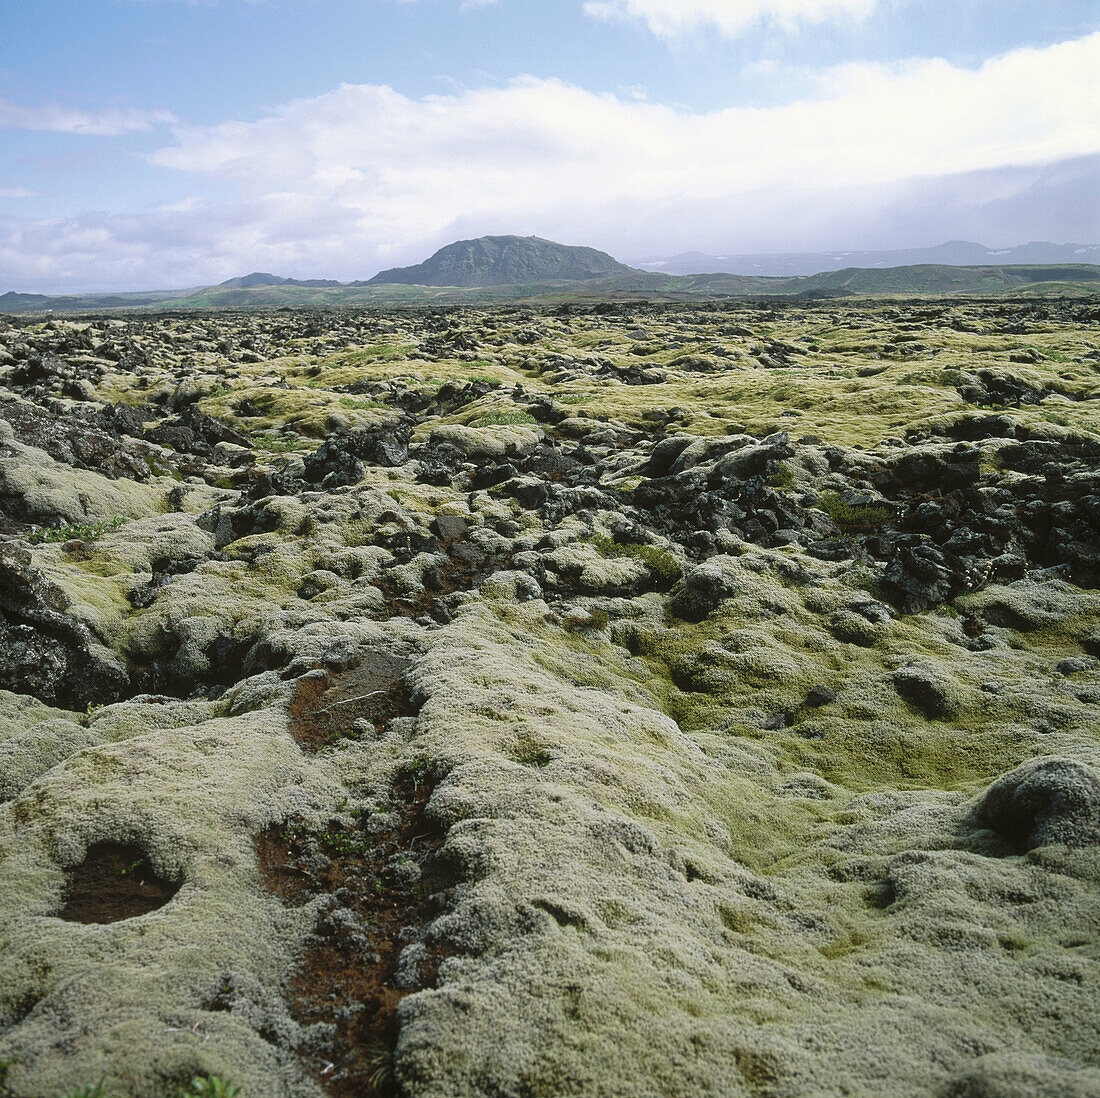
column 114, row 882
column 337, row 705
column 382, row 882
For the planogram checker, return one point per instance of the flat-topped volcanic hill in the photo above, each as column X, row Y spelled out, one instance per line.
column 504, row 261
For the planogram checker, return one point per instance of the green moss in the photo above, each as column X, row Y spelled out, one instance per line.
column 866, row 516
column 782, row 478
column 363, row 405
column 527, row 751
column 660, row 562
column 502, row 419
column 294, row 445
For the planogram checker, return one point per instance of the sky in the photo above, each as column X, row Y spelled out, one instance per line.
column 155, row 144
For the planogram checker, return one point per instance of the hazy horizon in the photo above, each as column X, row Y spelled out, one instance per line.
column 643, row 263
column 161, row 144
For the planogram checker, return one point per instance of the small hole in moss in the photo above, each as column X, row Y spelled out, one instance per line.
column 881, row 894
column 114, row 882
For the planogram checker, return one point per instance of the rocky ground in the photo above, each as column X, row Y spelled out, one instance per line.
column 611, row 700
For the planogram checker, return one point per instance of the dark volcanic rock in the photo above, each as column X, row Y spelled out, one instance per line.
column 194, row 432
column 85, row 443
column 920, row 574
column 43, row 651
column 340, row 459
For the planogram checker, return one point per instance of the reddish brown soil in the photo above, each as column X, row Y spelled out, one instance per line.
column 326, row 708
column 347, row 977
column 114, row 882
column 462, row 572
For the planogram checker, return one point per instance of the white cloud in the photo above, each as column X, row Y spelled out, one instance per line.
column 540, row 148
column 17, row 192
column 673, row 18
column 59, row 119
column 364, row 177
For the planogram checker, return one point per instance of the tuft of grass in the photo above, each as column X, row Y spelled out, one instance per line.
column 863, row 516
column 380, row 1060
column 84, row 531
column 503, row 419
column 660, row 562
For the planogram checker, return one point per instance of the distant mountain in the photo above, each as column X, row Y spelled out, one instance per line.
column 257, row 278
column 13, row 302
column 955, row 253
column 504, row 261
column 261, row 278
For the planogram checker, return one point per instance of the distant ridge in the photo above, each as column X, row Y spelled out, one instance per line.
column 955, row 253
column 262, row 278
column 504, row 261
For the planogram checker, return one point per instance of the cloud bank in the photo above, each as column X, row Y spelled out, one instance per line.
column 364, row 177
column 674, row 18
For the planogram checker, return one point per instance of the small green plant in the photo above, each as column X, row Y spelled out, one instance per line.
column 573, row 398
column 219, row 390
column 335, row 836
column 341, row 842
column 156, row 468
column 96, row 1091
column 660, row 562
column 5, row 1071
column 417, row 770
column 84, row 531
column 203, row 1086
column 855, row 516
